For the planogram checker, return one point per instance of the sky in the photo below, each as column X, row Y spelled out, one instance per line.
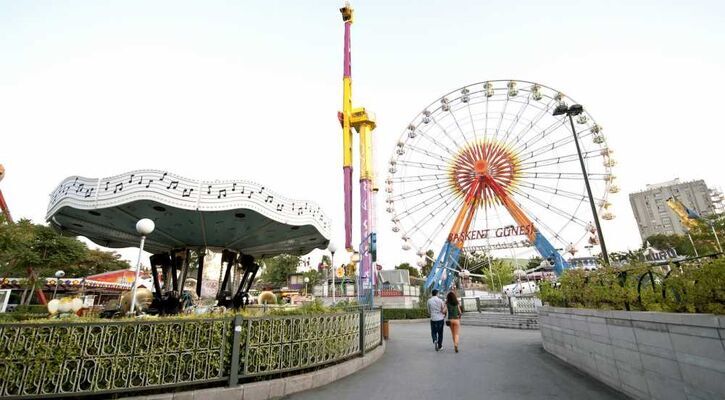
column 250, row 89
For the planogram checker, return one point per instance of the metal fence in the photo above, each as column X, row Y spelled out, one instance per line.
column 50, row 360
column 511, row 305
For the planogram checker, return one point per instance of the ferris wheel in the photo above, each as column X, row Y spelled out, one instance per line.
column 489, row 167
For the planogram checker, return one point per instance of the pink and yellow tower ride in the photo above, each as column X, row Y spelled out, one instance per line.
column 364, row 123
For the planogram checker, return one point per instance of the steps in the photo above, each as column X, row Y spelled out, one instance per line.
column 501, row 320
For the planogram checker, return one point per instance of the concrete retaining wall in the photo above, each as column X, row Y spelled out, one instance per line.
column 276, row 388
column 647, row 355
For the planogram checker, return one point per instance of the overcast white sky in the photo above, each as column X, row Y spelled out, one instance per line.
column 232, row 89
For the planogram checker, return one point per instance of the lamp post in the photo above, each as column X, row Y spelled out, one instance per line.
column 307, row 280
column 577, row 109
column 58, row 275
column 333, row 248
column 144, row 227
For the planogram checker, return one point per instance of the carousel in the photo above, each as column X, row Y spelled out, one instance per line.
column 238, row 221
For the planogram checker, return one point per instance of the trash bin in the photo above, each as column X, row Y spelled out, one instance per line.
column 386, row 329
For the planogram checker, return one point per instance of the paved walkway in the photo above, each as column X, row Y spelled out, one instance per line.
column 493, row 364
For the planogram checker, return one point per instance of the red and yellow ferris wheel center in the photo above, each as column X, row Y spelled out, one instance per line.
column 481, row 166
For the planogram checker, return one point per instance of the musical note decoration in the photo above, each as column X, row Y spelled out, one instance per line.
column 184, row 193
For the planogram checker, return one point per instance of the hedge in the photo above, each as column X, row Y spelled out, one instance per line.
column 692, row 288
column 404, row 313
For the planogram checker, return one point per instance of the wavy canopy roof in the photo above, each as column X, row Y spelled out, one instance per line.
column 238, row 215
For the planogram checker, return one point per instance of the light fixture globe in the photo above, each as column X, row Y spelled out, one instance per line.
column 332, row 247
column 355, row 257
column 145, row 226
column 59, row 274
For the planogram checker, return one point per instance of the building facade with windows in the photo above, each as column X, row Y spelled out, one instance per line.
column 655, row 217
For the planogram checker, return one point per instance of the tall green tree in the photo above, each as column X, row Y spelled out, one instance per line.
column 702, row 235
column 412, row 271
column 278, row 268
column 425, row 270
column 26, row 245
column 315, row 276
column 681, row 243
column 534, row 262
column 500, row 274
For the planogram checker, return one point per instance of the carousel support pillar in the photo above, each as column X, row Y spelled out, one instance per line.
column 200, row 272
column 176, row 263
column 184, row 271
column 154, row 260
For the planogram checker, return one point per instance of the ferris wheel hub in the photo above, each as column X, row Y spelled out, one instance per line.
column 481, row 167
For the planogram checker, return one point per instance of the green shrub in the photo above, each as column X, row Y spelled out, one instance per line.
column 641, row 287
column 16, row 316
column 390, row 314
column 32, row 309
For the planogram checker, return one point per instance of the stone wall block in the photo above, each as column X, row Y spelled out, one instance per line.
column 698, row 345
column 621, row 333
column 662, row 366
column 256, row 390
column 647, row 355
column 606, row 366
column 295, row 384
column 663, row 388
column 276, row 388
column 694, row 330
column 704, row 379
column 627, row 357
column 633, row 380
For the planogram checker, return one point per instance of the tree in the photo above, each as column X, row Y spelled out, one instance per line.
column 500, row 274
column 702, row 235
column 278, row 268
column 412, row 271
column 326, row 261
column 425, row 270
column 97, row 262
column 26, row 245
column 315, row 276
column 680, row 243
column 534, row 262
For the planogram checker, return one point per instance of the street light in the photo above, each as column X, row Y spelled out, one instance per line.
column 307, row 280
column 58, row 275
column 144, row 227
column 333, row 248
column 572, row 111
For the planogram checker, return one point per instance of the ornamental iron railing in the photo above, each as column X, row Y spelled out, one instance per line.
column 59, row 359
column 511, row 305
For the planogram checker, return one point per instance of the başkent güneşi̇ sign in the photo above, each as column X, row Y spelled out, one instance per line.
column 506, row 231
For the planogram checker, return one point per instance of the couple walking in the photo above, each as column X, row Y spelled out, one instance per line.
column 438, row 310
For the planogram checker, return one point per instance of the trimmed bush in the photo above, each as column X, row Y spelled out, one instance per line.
column 687, row 288
column 390, row 314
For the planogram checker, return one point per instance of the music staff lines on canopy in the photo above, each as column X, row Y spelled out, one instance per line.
column 77, row 202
